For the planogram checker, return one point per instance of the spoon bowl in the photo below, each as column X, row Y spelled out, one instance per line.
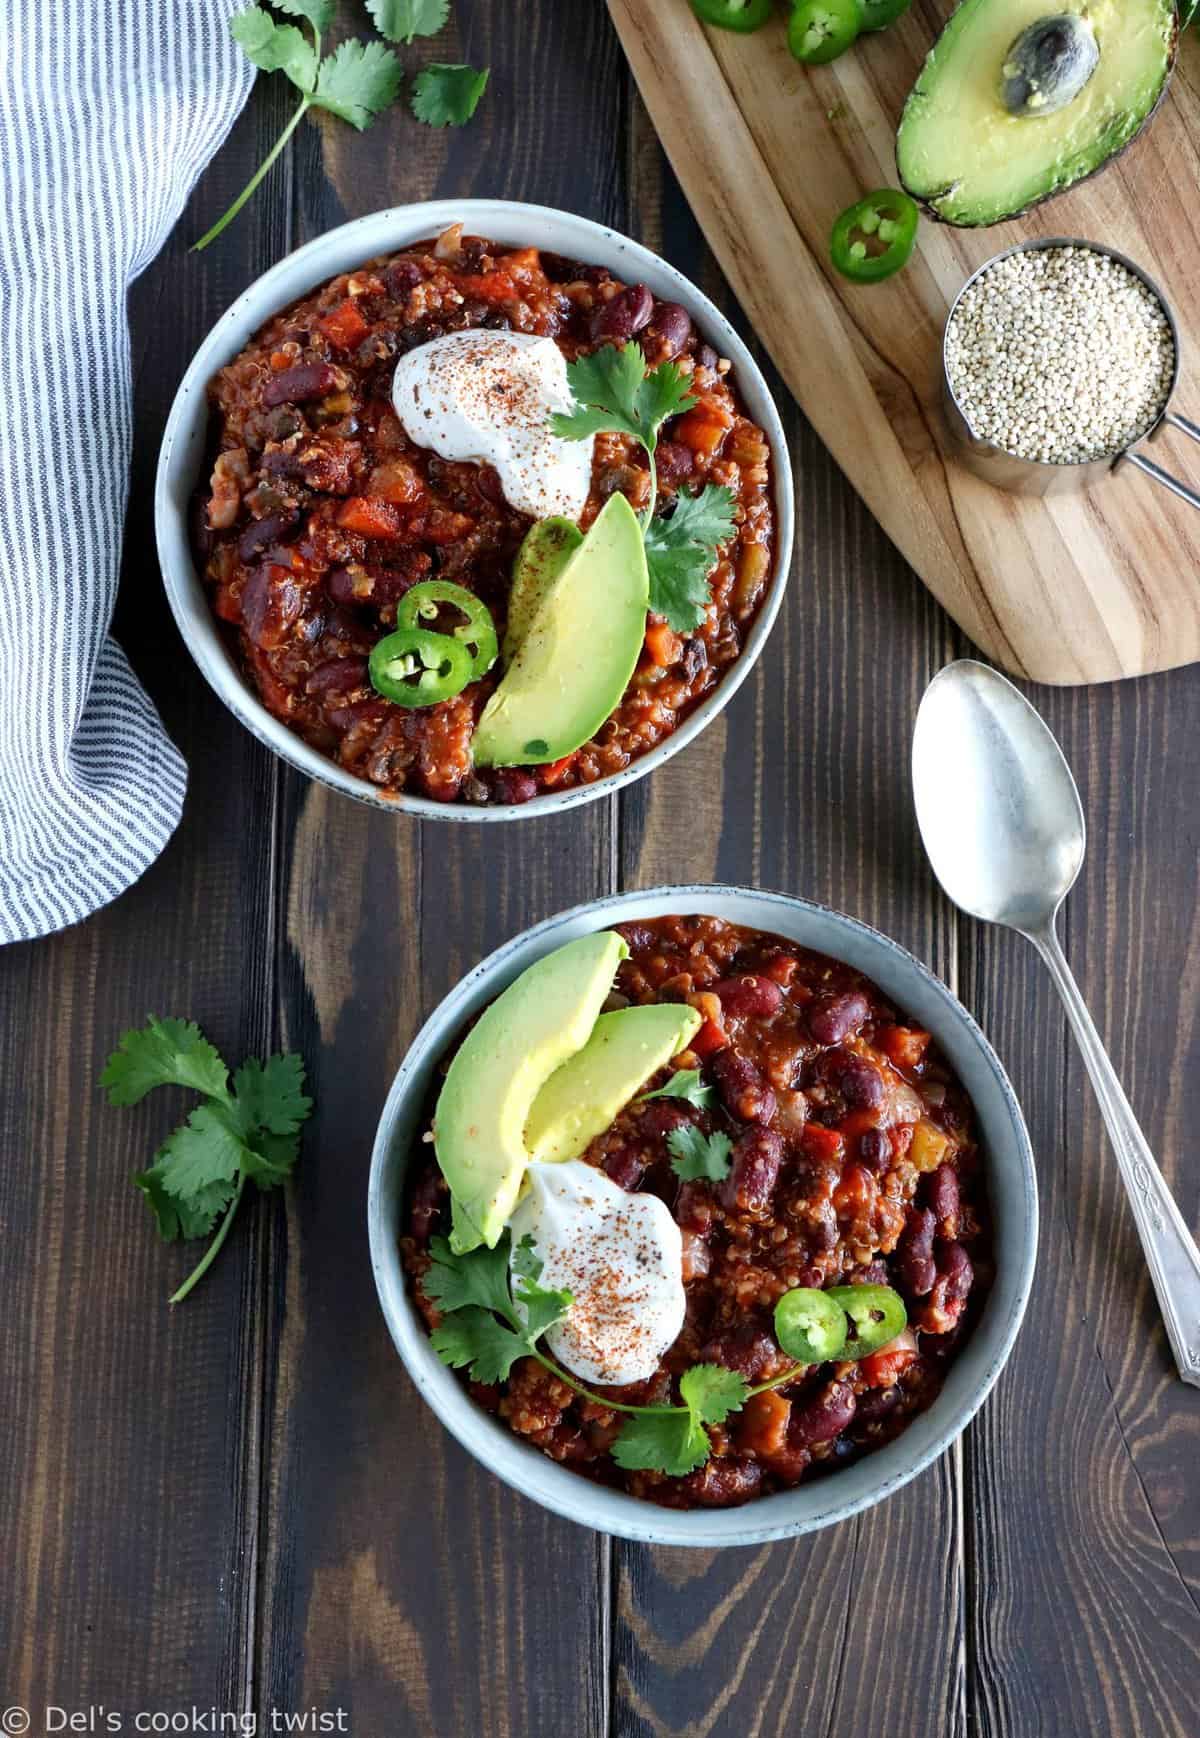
column 998, row 809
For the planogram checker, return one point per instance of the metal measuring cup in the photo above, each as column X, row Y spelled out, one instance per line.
column 1048, row 477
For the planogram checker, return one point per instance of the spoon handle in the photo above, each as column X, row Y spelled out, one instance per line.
column 1169, row 1247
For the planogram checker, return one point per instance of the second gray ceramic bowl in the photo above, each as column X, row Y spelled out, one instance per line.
column 1011, row 1185
column 185, row 443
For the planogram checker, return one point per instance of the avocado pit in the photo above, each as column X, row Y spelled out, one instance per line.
column 1048, row 65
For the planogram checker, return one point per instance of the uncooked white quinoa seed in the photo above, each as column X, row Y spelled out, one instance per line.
column 1060, row 354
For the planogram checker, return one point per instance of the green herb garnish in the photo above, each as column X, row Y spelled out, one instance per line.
column 698, row 1155
column 486, row 1327
column 447, row 96
column 249, row 1133
column 614, row 393
column 401, row 20
column 685, row 1083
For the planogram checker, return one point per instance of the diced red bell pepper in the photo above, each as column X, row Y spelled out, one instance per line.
column 344, row 325
column 820, row 1142
column 370, row 516
column 709, row 1039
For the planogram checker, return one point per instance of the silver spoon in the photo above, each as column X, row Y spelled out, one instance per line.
column 1003, row 825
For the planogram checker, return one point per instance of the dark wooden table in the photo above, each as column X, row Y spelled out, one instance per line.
column 242, row 1504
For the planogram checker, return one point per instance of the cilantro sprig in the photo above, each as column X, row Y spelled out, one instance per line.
column 494, row 1311
column 247, row 1132
column 614, row 392
column 697, row 1155
column 685, row 1083
column 357, row 81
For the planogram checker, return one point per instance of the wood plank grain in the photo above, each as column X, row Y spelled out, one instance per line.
column 799, row 791
column 401, row 1581
column 130, row 1435
column 1082, row 1506
column 1062, row 589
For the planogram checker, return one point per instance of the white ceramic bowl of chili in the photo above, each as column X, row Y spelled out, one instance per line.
column 1009, row 1179
column 185, row 445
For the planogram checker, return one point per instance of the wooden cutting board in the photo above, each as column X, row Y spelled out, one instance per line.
column 1075, row 588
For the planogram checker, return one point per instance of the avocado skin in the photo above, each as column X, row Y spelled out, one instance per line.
column 928, row 201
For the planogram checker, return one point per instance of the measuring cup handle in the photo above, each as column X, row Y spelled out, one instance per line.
column 1165, row 477
column 1182, row 422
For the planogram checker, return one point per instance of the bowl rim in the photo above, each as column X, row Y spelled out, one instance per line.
column 787, row 1514
column 303, row 270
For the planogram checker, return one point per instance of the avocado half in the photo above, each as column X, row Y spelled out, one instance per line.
column 1009, row 110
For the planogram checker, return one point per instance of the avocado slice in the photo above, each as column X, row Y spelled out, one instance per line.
column 547, row 548
column 580, row 650
column 1019, row 100
column 583, row 1097
column 532, row 1027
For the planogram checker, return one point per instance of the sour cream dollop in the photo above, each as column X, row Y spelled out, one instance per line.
column 620, row 1255
column 486, row 398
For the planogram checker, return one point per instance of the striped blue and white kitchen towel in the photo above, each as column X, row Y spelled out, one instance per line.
column 107, row 117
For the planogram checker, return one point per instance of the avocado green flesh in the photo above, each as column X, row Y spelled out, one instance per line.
column 547, row 548
column 528, row 1032
column 579, row 652
column 583, row 1097
column 964, row 156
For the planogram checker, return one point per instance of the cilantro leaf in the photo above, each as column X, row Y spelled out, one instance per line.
column 275, row 47
column 525, row 1261
column 711, row 1392
column 698, row 1155
column 319, row 13
column 203, row 1150
column 401, row 20
column 681, row 553
column 685, row 1083
column 480, row 1279
column 357, row 80
column 668, row 1441
column 194, row 1217
column 473, row 1337
column 269, row 1095
column 202, row 1168
column 542, row 1307
column 447, row 96
column 605, row 386
column 665, row 391
column 163, row 1053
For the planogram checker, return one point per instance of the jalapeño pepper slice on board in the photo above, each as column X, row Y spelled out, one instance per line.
column 820, row 30
column 876, row 1312
column 422, row 605
column 809, row 1325
column 740, row 15
column 874, row 238
column 415, row 667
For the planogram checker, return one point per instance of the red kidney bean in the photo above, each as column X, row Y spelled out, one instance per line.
column 673, row 462
column 876, row 1403
column 823, row 1230
column 744, row 1092
column 695, row 659
column 941, row 1193
column 281, row 463
column 627, row 313
column 834, row 1018
column 625, row 1167
column 875, row 1150
column 271, row 604
column 753, row 1172
column 401, row 277
column 338, row 676
column 275, row 528
column 307, row 380
column 955, row 1265
column 747, row 997
column 426, row 1204
column 706, row 357
column 748, row 1349
column 723, row 1482
column 824, row 1417
column 694, row 1207
column 861, row 1083
column 660, row 1116
column 671, row 327
column 914, row 1252
column 487, row 481
column 515, row 787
